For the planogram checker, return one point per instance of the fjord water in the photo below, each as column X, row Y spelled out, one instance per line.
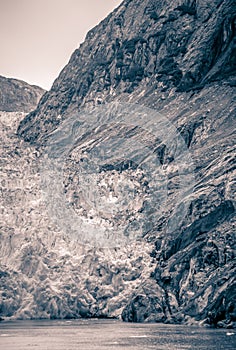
column 108, row 335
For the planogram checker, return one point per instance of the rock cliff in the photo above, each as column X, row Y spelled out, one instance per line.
column 176, row 61
column 144, row 47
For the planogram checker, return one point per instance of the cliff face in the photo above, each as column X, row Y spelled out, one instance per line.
column 144, row 46
column 173, row 61
column 18, row 96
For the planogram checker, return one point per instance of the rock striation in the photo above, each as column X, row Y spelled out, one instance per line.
column 178, row 59
column 18, row 96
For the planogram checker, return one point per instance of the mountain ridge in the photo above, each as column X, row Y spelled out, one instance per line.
column 18, row 96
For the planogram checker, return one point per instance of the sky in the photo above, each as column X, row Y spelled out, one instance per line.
column 38, row 36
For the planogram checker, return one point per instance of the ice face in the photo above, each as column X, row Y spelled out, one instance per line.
column 103, row 174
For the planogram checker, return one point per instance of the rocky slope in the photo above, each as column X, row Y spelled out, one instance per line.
column 17, row 95
column 147, row 48
column 163, row 76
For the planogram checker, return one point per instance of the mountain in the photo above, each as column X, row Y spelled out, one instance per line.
column 143, row 46
column 134, row 150
column 17, row 95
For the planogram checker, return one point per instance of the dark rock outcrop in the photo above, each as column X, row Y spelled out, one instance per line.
column 18, row 96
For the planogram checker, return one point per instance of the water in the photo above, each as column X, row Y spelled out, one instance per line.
column 109, row 335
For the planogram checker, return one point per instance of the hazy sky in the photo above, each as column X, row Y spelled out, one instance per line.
column 37, row 37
